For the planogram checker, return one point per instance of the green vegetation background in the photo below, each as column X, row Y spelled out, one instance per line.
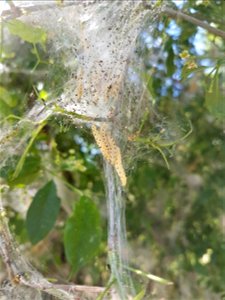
column 176, row 217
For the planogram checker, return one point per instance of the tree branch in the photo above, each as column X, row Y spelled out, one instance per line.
column 180, row 15
column 20, row 11
column 16, row 12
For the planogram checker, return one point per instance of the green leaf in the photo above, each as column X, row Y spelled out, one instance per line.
column 4, row 109
column 7, row 98
column 17, row 226
column 149, row 81
column 214, row 100
column 7, row 102
column 23, row 156
column 186, row 71
column 27, row 32
column 102, row 295
column 28, row 172
column 150, row 276
column 42, row 213
column 82, row 233
column 170, row 62
column 140, row 295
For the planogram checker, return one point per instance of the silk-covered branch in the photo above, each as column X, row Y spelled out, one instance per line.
column 16, row 12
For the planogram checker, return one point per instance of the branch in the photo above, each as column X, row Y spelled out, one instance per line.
column 16, row 12
column 21, row 11
column 178, row 14
column 79, row 288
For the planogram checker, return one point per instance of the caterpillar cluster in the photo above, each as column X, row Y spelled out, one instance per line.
column 110, row 151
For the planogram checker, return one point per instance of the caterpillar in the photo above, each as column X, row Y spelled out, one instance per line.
column 110, row 151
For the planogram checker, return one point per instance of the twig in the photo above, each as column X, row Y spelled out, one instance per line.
column 19, row 11
column 15, row 10
column 178, row 14
column 79, row 288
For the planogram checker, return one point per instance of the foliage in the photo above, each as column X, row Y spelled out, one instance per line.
column 27, row 33
column 82, row 234
column 175, row 217
column 42, row 212
column 214, row 98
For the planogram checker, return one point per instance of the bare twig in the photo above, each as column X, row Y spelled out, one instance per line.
column 15, row 10
column 180, row 15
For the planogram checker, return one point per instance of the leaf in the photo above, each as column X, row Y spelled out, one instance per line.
column 27, row 32
column 170, row 57
column 170, row 62
column 214, row 100
column 107, row 289
column 149, row 82
column 17, row 225
column 7, row 102
column 4, row 109
column 7, row 98
column 140, row 295
column 23, row 156
column 187, row 71
column 82, row 233
column 151, row 276
column 42, row 213
column 28, row 172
